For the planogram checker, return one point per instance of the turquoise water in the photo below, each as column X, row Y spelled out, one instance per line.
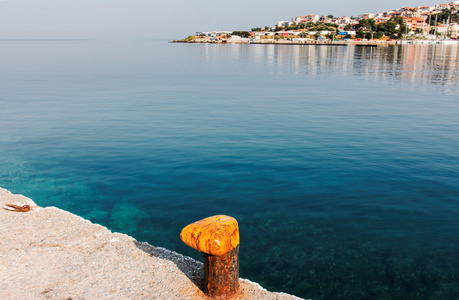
column 341, row 164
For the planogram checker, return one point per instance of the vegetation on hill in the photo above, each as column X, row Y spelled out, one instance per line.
column 366, row 28
column 394, row 28
column 243, row 34
column 445, row 16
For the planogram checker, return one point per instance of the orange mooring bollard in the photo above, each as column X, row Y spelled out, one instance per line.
column 218, row 238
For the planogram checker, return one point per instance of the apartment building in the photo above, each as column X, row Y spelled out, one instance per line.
column 367, row 16
column 306, row 19
column 416, row 24
column 441, row 7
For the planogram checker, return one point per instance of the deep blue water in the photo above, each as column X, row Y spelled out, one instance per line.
column 341, row 164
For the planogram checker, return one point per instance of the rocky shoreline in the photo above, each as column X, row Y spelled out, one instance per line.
column 49, row 253
column 294, row 41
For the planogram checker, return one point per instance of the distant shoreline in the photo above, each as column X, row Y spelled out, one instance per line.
column 372, row 43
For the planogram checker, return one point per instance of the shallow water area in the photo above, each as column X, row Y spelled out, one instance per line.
column 339, row 163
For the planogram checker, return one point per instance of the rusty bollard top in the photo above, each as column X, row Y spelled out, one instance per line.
column 215, row 235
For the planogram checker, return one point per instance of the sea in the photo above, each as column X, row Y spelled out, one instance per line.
column 340, row 163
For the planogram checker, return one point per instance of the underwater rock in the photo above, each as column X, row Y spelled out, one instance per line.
column 96, row 216
column 125, row 217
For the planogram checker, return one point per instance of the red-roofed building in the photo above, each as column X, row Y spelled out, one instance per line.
column 416, row 23
column 441, row 7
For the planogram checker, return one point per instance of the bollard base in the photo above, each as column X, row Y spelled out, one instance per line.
column 221, row 274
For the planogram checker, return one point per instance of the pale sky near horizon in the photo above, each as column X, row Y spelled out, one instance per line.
column 54, row 19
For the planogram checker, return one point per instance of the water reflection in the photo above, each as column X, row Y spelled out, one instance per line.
column 347, row 195
column 436, row 64
column 415, row 63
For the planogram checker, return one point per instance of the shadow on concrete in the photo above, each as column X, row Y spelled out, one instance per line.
column 193, row 269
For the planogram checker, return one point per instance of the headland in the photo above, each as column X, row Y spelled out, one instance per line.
column 290, row 41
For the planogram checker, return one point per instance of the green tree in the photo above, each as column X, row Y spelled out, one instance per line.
column 366, row 24
column 310, row 24
column 378, row 35
column 365, row 28
column 331, row 25
column 398, row 19
column 292, row 27
column 395, row 28
column 244, row 34
column 444, row 16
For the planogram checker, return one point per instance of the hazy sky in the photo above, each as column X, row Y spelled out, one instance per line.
column 171, row 19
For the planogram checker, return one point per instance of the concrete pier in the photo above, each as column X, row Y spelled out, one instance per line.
column 48, row 253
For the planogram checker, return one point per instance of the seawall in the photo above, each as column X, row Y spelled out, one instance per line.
column 49, row 253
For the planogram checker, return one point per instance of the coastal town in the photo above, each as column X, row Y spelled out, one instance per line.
column 420, row 24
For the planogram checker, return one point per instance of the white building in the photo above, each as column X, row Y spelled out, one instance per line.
column 389, row 14
column 283, row 23
column 454, row 29
column 367, row 16
column 213, row 33
column 442, row 29
column 343, row 20
column 426, row 9
column 306, row 19
column 441, row 7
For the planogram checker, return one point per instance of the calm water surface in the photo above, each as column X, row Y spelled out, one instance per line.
column 341, row 164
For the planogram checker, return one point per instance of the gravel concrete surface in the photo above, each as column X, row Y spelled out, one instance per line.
column 49, row 253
